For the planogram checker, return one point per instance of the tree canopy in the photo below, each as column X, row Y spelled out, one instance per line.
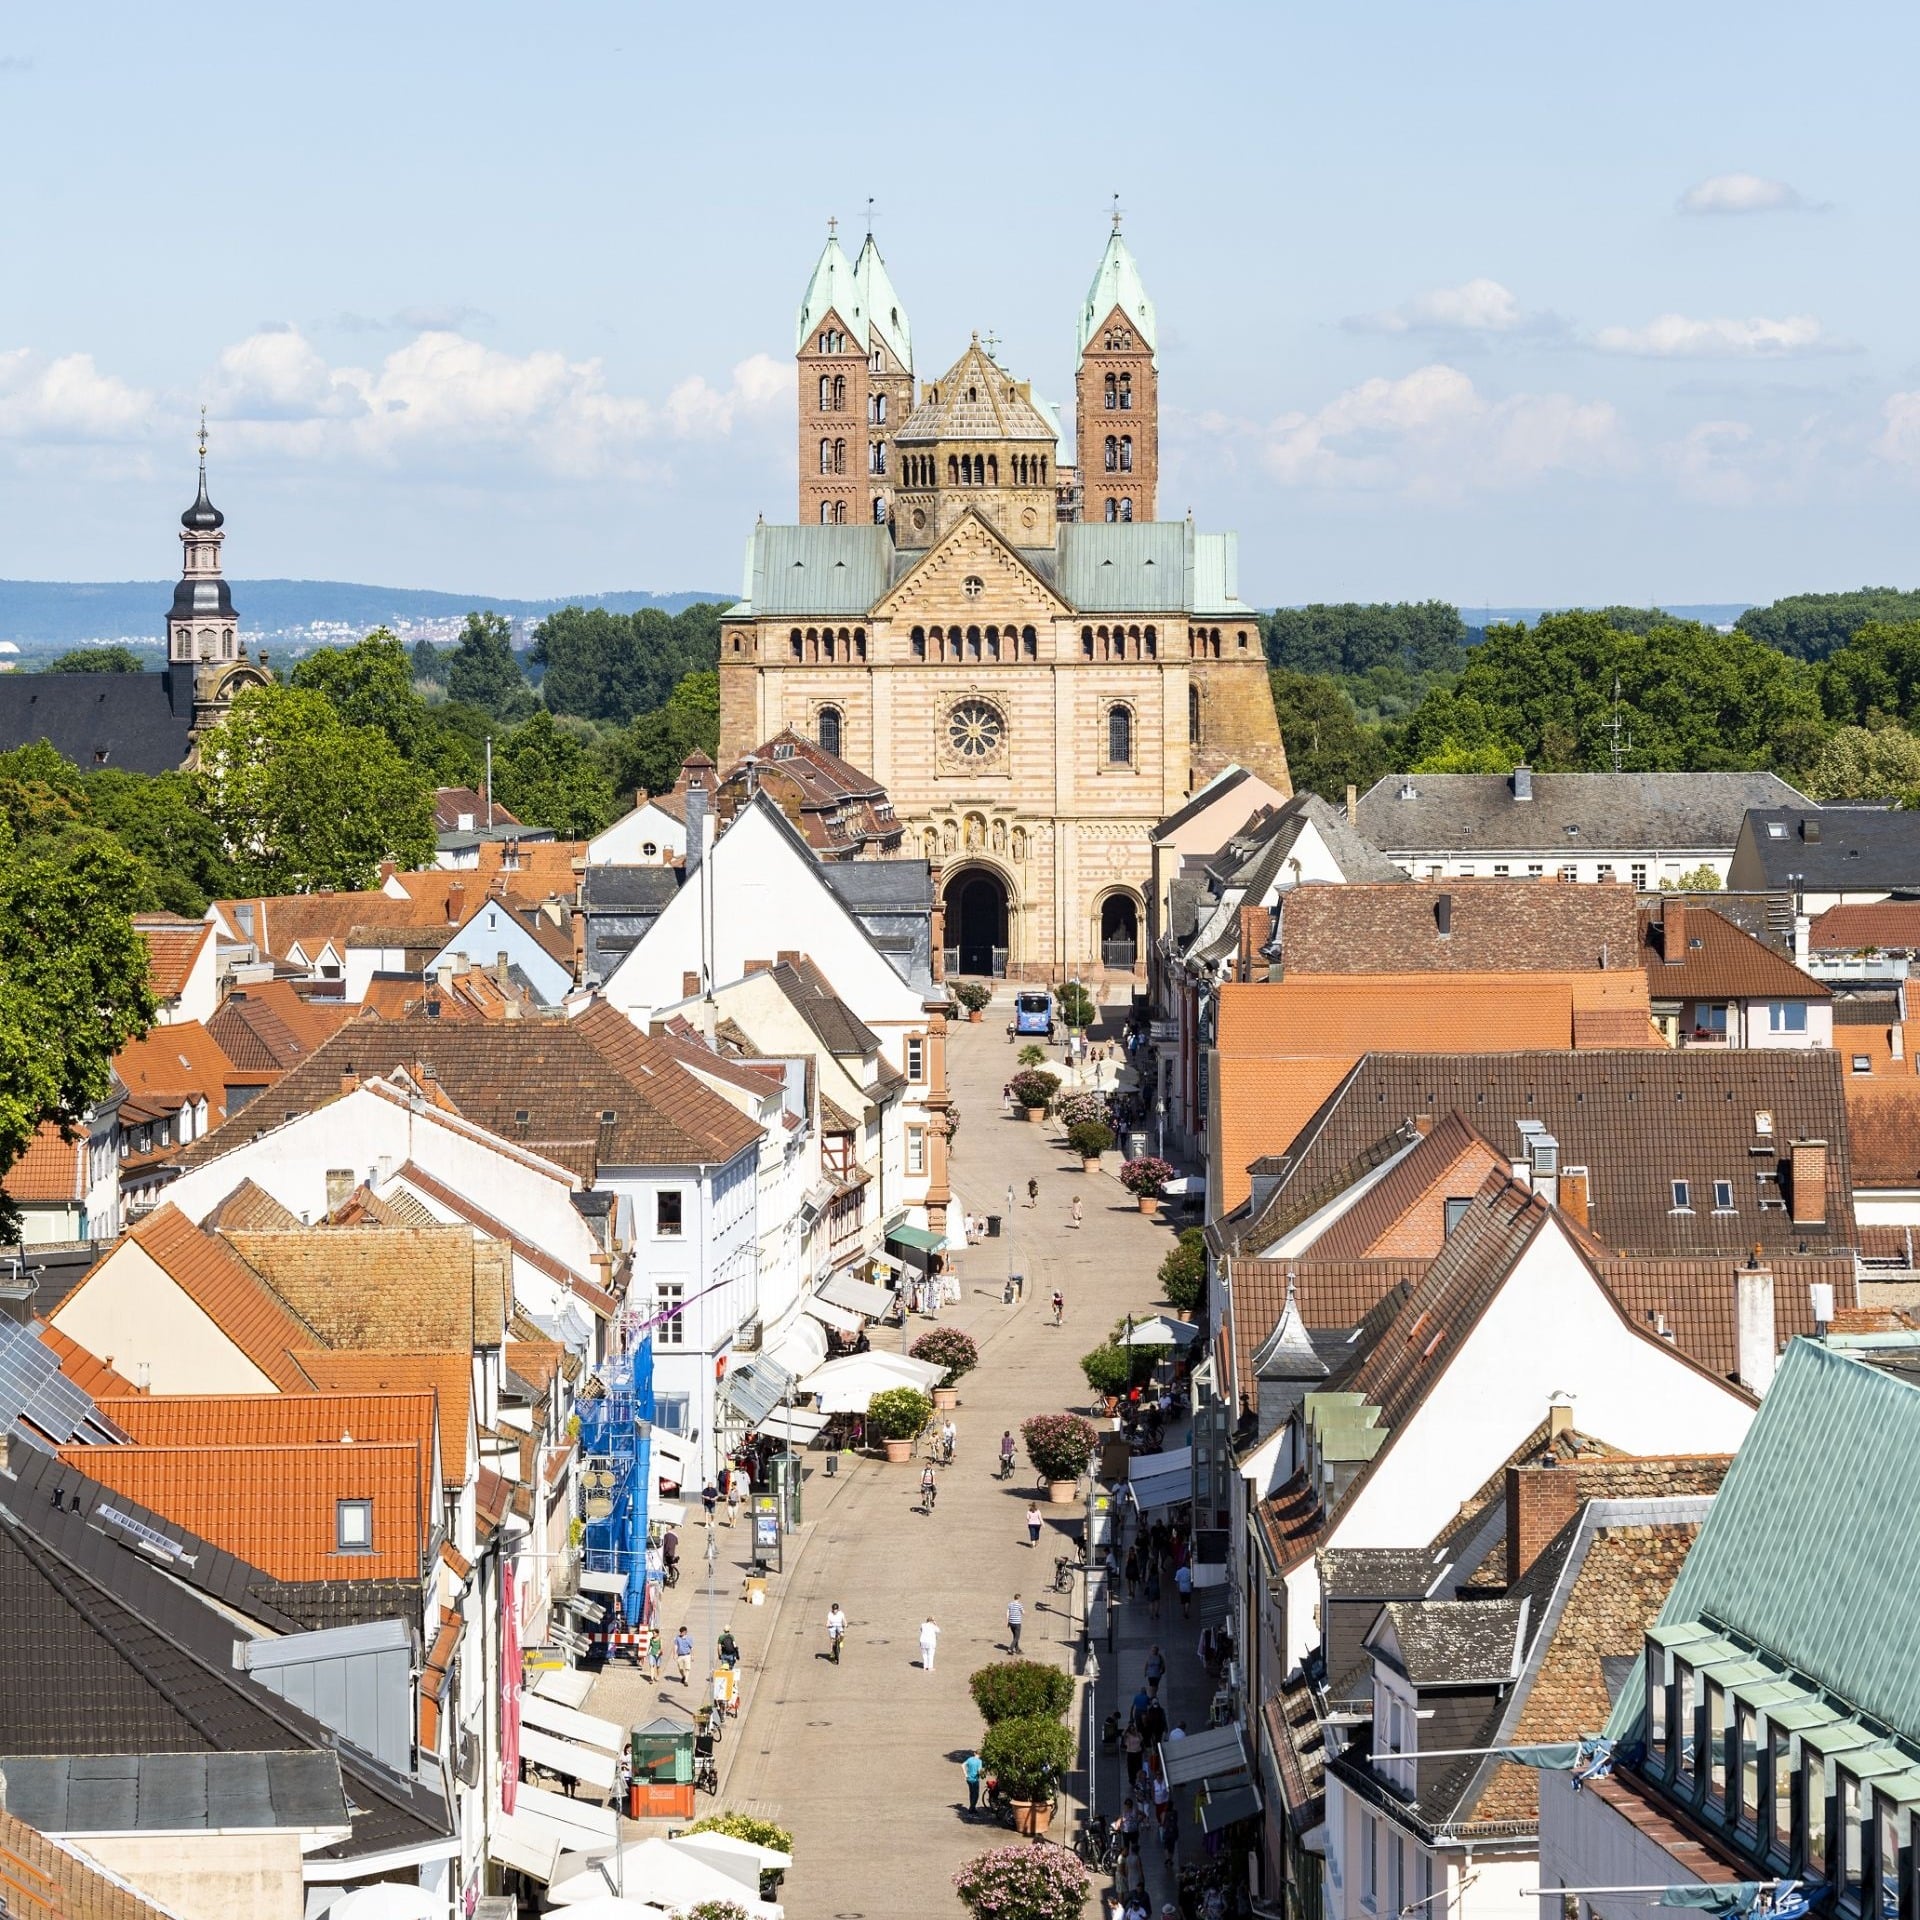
column 649, row 753
column 1327, row 744
column 1812, row 625
column 302, row 799
column 549, row 778
column 482, row 671
column 611, row 666
column 1875, row 677
column 114, row 659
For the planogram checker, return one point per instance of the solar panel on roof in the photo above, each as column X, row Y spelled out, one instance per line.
column 34, row 1391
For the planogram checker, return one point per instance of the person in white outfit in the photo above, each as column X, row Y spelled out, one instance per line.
column 929, row 1640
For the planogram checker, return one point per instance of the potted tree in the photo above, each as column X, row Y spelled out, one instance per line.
column 899, row 1416
column 1146, row 1179
column 1026, row 1754
column 1090, row 1139
column 1038, row 1881
column 950, row 1348
column 1033, row 1092
column 1183, row 1273
column 1059, row 1445
column 1110, row 1370
column 974, row 996
column 1015, row 1689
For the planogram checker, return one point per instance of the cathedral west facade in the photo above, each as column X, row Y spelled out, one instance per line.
column 998, row 628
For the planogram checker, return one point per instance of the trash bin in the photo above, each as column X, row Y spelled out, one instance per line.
column 833, row 1466
column 993, row 1226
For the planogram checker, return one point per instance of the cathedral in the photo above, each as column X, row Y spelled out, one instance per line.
column 995, row 625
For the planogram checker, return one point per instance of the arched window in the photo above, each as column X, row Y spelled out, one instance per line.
column 1086, row 643
column 993, row 469
column 827, row 729
column 973, row 642
column 879, row 510
column 877, row 409
column 826, row 392
column 1126, row 392
column 799, row 645
column 1126, row 509
column 1120, row 736
column 953, row 471
column 1153, row 644
column 859, row 643
column 1113, row 393
column 1113, row 454
column 1043, row 469
column 993, row 643
column 839, row 456
column 1126, row 453
column 826, row 510
column 839, row 513
column 839, row 393
column 919, row 642
column 1030, row 643
column 877, row 458
column 1193, row 715
column 826, row 456
column 1113, row 510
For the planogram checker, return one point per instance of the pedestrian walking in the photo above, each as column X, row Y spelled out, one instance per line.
column 1074, row 1210
column 929, row 1640
column 1033, row 1526
column 1156, row 1670
column 1016, row 1619
column 1060, row 1301
column 1033, row 1193
column 683, row 1654
column 709, row 1498
column 972, row 1770
column 733, row 1494
column 1133, row 1571
column 1170, row 1833
column 656, row 1654
column 949, row 1438
column 1183, row 1585
column 1152, row 1588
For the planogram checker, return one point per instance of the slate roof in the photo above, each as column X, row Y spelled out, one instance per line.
column 1822, row 1479
column 96, row 719
column 1637, row 1121
column 492, row 1072
column 648, row 886
column 1719, row 961
column 1496, row 926
column 1891, row 926
column 840, row 1030
column 1455, row 1643
column 864, row 886
column 174, row 1792
column 1828, row 850
column 1668, row 813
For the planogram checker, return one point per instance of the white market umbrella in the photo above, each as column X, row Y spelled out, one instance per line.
column 747, row 1860
column 387, row 1900
column 847, row 1384
column 1161, row 1332
column 609, row 1906
column 656, row 1870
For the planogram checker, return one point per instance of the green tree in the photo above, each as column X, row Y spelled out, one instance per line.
column 1705, row 878
column 371, row 685
column 1811, row 626
column 649, row 754
column 40, row 792
column 97, row 660
column 1875, row 676
column 483, row 672
column 608, row 666
column 550, row 779
column 1858, row 763
column 159, row 819
column 1428, row 638
column 429, row 669
column 302, row 800
column 73, row 984
column 1688, row 697
column 1328, row 745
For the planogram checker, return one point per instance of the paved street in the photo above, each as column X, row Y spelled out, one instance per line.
column 862, row 1761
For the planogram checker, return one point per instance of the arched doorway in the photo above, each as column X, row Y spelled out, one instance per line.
column 1119, row 931
column 976, row 917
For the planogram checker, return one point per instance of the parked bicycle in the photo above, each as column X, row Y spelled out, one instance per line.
column 1064, row 1568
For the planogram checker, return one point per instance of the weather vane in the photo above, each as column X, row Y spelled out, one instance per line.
column 203, row 436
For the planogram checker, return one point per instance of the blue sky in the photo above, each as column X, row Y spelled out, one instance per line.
column 1496, row 303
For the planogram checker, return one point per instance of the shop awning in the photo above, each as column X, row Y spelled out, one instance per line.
column 847, row 1384
column 918, row 1239
column 799, row 1347
column 566, row 1756
column 795, row 1425
column 1161, row 1331
column 840, row 1319
column 1216, row 1757
column 669, row 1513
column 1219, row 1810
column 570, row 1824
column 885, row 1260
column 1161, row 1479
column 756, row 1386
column 565, row 1688
column 526, row 1843
column 859, row 1297
column 594, row 1581
column 571, row 1724
column 676, row 1452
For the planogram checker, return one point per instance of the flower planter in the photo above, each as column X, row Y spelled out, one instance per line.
column 974, row 1016
column 899, row 1452
column 1063, row 1493
column 1090, row 1166
column 1149, row 1204
column 1035, row 1114
column 1032, row 1816
column 945, row 1399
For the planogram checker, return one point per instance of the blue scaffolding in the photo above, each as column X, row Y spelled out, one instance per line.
column 614, row 1426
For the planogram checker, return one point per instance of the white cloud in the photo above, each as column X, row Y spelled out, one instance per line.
column 66, row 399
column 1713, row 463
column 1743, row 193
column 1899, row 440
column 1477, row 307
column 1674, row 336
column 1435, row 432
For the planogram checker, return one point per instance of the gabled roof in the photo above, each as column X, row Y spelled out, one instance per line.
column 447, row 1376
column 1151, row 566
column 250, row 1205
column 51, row 1169
column 1668, row 813
column 815, row 572
column 1823, row 1479
column 268, row 1027
column 1453, row 1643
column 121, row 720
column 1717, row 960
column 1829, row 849
column 1117, row 283
column 230, row 1292
column 1865, row 926
column 281, row 922
column 451, row 804
column 839, row 1029
column 1404, row 1213
column 178, row 1061
column 173, row 945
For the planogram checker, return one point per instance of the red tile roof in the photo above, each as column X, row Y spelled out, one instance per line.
column 180, row 1061
column 1718, row 960
column 1884, row 926
column 173, row 945
column 448, row 1377
column 41, row 1881
column 1883, row 1127
column 51, row 1169
column 92, row 1375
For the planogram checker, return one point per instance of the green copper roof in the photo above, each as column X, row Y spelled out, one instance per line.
column 1808, row 1549
column 820, row 572
column 835, row 287
column 1149, row 566
column 885, row 315
column 1117, row 283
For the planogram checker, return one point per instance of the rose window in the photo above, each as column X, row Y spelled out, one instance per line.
column 976, row 730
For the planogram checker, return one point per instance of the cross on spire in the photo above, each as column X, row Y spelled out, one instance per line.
column 1116, row 213
column 203, row 443
column 833, row 226
column 992, row 344
column 869, row 216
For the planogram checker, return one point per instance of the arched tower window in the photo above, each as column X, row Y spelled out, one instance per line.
column 1126, row 392
column 1086, row 643
column 1120, row 736
column 826, row 456
column 919, row 641
column 839, row 393
column 1030, row 643
column 826, row 392
column 1193, row 715
column 1126, row 453
column 1126, row 509
column 1113, row 510
column 827, row 729
column 1113, row 454
column 1112, row 392
column 993, row 469
column 799, row 646
column 839, row 456
column 879, row 510
column 953, row 471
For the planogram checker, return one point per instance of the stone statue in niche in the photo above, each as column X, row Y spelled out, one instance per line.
column 930, row 844
column 974, row 832
column 1019, row 843
column 949, row 835
column 999, row 836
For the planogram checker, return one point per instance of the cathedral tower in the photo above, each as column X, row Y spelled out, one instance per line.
column 854, row 352
column 1117, row 392
column 201, row 624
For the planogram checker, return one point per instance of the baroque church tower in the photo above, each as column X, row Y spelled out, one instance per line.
column 1117, row 391
column 207, row 661
column 853, row 352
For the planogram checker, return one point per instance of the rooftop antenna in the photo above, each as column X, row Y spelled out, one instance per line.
column 1622, row 745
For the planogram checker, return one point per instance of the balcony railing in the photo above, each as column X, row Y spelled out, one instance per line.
column 1119, row 953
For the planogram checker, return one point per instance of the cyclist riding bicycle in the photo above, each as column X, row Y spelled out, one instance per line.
column 1006, row 1455
column 836, row 1632
column 929, row 1486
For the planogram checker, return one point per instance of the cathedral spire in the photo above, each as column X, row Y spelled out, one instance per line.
column 1117, row 283
column 203, row 516
column 833, row 288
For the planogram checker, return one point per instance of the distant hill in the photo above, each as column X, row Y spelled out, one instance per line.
column 38, row 615
column 1715, row 613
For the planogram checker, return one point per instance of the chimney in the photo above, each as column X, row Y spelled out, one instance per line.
column 1753, row 1323
column 1896, row 1043
column 1807, row 1182
column 1810, row 830
column 456, row 900
column 1673, row 929
column 1559, row 1414
column 696, row 826
column 1575, row 1197
column 758, row 966
column 689, row 984
column 1423, row 1124
column 386, row 870
column 443, row 972
column 1443, row 915
column 339, row 1187
column 1353, row 804
column 1540, row 1501
column 788, row 957
column 348, row 1082
column 502, row 967
column 1523, row 783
